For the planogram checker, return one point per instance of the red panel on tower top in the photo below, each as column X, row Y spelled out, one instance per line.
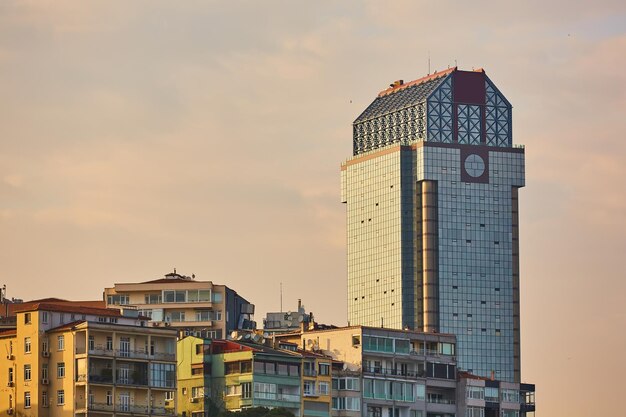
column 469, row 87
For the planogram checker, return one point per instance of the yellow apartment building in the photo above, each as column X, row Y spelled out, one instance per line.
column 69, row 360
column 196, row 308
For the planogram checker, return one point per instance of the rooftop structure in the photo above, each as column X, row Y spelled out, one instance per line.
column 198, row 308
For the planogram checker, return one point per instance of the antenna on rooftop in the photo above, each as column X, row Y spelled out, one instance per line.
column 281, row 297
column 428, row 62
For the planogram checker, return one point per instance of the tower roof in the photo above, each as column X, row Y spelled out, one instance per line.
column 401, row 95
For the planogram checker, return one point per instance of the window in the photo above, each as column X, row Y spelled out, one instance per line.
column 171, row 296
column 349, row 384
column 218, row 315
column 324, row 369
column 44, row 398
column 346, row 403
column 61, row 342
column 91, row 343
column 109, row 344
column 27, row 320
column 119, row 299
column 26, row 372
column 265, row 391
column 44, row 345
column 175, row 316
column 153, row 298
column 246, row 367
column 162, row 375
column 231, row 368
column 197, row 392
column 323, row 388
column 195, row 296
column 44, row 317
column 309, row 387
column 203, row 315
column 27, row 345
column 246, row 390
column 11, row 374
column 474, row 412
column 61, row 397
column 44, row 371
column 27, row 399
column 109, row 398
column 477, row 393
column 61, row 370
column 169, row 395
column 217, row 297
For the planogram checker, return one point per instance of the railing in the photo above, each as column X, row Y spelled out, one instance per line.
column 395, row 372
column 100, row 407
column 440, row 401
column 289, row 397
column 310, row 372
column 98, row 379
column 311, row 393
column 131, row 354
column 132, row 381
column 127, row 408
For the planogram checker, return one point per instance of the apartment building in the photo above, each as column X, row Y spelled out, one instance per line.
column 197, row 308
column 482, row 397
column 69, row 360
column 398, row 373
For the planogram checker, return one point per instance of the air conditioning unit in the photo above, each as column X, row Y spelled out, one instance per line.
column 167, row 324
column 155, row 324
column 44, row 381
column 45, row 354
column 193, row 400
column 10, row 411
column 10, row 357
column 10, row 384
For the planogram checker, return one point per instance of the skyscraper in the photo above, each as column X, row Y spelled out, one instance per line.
column 431, row 194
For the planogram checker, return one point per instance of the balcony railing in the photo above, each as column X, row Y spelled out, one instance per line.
column 310, row 372
column 440, row 401
column 131, row 354
column 288, row 397
column 395, row 372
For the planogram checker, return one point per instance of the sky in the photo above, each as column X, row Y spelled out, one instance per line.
column 138, row 137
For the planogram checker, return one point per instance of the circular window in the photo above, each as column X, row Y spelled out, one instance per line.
column 474, row 165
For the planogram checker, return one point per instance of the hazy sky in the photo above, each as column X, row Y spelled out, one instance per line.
column 141, row 136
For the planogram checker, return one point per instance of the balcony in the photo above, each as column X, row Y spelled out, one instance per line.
column 128, row 354
column 309, row 372
column 288, row 397
column 397, row 373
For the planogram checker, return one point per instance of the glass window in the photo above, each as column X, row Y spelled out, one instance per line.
column 402, row 346
column 324, row 368
column 27, row 345
column 26, row 372
column 61, row 342
column 61, row 370
column 27, row 399
column 60, row 397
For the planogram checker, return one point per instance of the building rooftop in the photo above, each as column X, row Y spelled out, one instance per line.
column 401, row 95
column 69, row 308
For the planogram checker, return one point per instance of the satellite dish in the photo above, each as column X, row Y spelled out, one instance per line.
column 300, row 318
column 247, row 336
column 256, row 338
column 239, row 337
column 233, row 334
column 262, row 340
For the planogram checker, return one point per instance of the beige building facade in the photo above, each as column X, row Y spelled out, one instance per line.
column 196, row 308
column 67, row 360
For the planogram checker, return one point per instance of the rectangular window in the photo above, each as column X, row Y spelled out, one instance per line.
column 27, row 345
column 324, row 369
column 61, row 397
column 27, row 399
column 169, row 395
column 61, row 370
column 11, row 374
column 246, row 390
column 197, row 392
column 109, row 398
column 44, row 371
column 323, row 388
column 44, row 398
column 26, row 372
column 309, row 387
column 153, row 298
column 61, row 342
column 109, row 345
column 203, row 315
column 27, row 320
column 44, row 317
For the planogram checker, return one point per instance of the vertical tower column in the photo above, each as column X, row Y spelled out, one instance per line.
column 430, row 256
column 517, row 360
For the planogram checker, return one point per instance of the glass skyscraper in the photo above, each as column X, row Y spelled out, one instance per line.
column 431, row 193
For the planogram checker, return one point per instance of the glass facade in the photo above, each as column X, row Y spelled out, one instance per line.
column 432, row 227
